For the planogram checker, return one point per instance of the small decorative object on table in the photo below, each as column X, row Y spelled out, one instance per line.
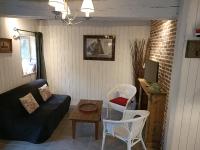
column 88, row 107
column 154, row 88
column 5, row 45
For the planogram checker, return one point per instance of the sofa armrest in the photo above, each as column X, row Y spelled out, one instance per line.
column 6, row 117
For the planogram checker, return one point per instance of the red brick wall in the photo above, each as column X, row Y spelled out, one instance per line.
column 161, row 49
column 162, row 40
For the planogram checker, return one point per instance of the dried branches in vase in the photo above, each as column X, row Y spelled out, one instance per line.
column 139, row 53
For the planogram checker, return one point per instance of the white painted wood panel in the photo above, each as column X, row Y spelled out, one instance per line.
column 68, row 73
column 104, row 9
column 186, row 124
column 193, row 137
column 10, row 64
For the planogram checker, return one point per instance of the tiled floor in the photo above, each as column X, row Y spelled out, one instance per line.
column 61, row 139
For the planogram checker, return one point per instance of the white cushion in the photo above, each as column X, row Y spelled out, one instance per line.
column 29, row 103
column 45, row 92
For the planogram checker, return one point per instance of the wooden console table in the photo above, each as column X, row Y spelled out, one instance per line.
column 155, row 104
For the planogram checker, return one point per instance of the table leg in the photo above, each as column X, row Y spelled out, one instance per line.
column 96, row 130
column 73, row 129
column 140, row 97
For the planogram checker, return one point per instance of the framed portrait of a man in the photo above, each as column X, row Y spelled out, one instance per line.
column 99, row 47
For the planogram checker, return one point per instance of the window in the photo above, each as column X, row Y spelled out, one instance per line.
column 28, row 54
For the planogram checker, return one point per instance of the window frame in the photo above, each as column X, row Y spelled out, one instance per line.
column 28, row 37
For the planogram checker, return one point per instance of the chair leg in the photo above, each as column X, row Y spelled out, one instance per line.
column 129, row 145
column 143, row 144
column 108, row 111
column 103, row 141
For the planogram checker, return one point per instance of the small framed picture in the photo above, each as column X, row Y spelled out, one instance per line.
column 5, row 45
column 99, row 47
column 193, row 49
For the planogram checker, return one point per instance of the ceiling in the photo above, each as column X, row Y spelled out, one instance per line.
column 107, row 9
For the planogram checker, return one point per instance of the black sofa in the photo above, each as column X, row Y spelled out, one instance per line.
column 17, row 124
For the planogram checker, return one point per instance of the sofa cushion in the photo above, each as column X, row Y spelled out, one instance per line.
column 38, row 126
column 29, row 103
column 120, row 101
column 17, row 124
column 10, row 99
column 56, row 100
column 45, row 92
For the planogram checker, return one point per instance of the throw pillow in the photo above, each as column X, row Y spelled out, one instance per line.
column 45, row 92
column 29, row 103
column 120, row 101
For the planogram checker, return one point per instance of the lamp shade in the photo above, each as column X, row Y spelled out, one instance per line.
column 58, row 4
column 87, row 6
column 55, row 3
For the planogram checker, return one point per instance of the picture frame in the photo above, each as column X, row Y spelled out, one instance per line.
column 5, row 45
column 193, row 49
column 99, row 47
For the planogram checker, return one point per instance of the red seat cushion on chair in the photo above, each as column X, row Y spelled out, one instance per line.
column 120, row 101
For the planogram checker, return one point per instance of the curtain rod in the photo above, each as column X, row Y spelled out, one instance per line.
column 16, row 29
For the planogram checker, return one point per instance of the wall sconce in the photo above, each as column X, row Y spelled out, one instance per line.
column 16, row 36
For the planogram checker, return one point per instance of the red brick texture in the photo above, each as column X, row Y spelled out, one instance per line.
column 161, row 49
column 162, row 41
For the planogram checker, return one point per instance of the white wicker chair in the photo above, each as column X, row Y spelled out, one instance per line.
column 129, row 129
column 123, row 90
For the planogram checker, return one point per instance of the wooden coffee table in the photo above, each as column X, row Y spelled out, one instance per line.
column 89, row 117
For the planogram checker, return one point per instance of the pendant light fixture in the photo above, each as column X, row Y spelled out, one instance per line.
column 87, row 7
column 63, row 11
column 57, row 4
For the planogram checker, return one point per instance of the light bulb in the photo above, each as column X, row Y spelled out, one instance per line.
column 87, row 14
column 64, row 15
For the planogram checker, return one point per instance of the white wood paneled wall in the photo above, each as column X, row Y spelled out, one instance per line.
column 68, row 73
column 10, row 63
column 107, row 9
column 185, row 131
